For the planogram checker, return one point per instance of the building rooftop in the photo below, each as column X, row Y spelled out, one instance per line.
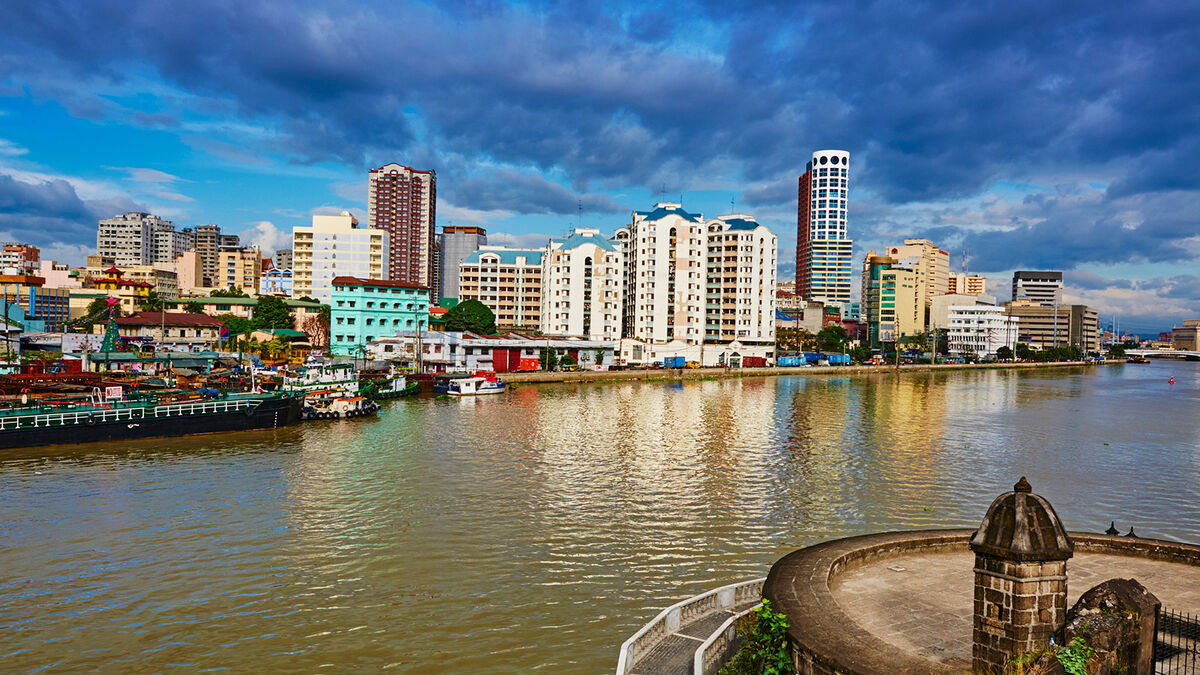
column 507, row 256
column 377, row 283
column 664, row 209
column 170, row 319
column 577, row 239
column 741, row 223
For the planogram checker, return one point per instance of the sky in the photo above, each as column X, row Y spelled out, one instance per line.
column 1016, row 135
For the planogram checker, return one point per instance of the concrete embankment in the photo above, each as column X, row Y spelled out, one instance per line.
column 712, row 373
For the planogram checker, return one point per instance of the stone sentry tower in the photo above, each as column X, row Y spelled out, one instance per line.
column 1021, row 552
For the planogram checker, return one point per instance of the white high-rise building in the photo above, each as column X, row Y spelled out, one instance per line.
column 980, row 329
column 129, row 238
column 334, row 246
column 823, row 247
column 740, row 281
column 1043, row 287
column 582, row 284
column 665, row 253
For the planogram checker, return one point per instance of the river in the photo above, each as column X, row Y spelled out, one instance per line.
column 538, row 529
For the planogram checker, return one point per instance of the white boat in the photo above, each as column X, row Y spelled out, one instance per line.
column 470, row 386
column 319, row 377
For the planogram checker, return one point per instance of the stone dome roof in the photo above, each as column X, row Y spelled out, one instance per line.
column 1022, row 526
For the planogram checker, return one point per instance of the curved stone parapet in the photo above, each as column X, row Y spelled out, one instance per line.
column 825, row 639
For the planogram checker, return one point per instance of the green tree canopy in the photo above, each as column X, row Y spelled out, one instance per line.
column 1116, row 352
column 194, row 307
column 1004, row 353
column 1023, row 351
column 150, row 302
column 237, row 325
column 471, row 315
column 832, row 339
column 231, row 292
column 272, row 312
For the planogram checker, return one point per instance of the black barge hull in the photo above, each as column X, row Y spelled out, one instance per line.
column 269, row 414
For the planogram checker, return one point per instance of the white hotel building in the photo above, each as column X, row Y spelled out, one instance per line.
column 582, row 285
column 980, row 329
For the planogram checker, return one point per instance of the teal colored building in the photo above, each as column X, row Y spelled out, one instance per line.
column 362, row 310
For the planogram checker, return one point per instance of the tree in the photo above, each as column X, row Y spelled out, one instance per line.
column 231, row 292
column 193, row 307
column 568, row 360
column 272, row 312
column 150, row 302
column 548, row 359
column 235, row 324
column 860, row 353
column 1004, row 353
column 316, row 326
column 1116, row 352
column 832, row 339
column 943, row 341
column 1023, row 351
column 473, row 316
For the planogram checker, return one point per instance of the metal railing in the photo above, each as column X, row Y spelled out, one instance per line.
column 719, row 648
column 681, row 613
column 1177, row 644
column 123, row 413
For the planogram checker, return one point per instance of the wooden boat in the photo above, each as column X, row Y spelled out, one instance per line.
column 333, row 404
column 480, row 384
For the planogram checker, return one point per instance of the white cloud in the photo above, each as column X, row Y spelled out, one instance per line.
column 266, row 236
column 173, row 196
column 448, row 213
column 531, row 240
column 356, row 191
column 142, row 175
column 11, row 149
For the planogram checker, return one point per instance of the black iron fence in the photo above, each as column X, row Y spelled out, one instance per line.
column 1177, row 644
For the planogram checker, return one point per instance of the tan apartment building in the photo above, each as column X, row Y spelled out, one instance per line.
column 508, row 281
column 335, row 246
column 935, row 261
column 239, row 267
column 740, row 281
column 967, row 284
column 1047, row 326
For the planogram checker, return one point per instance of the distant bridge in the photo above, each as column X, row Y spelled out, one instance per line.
column 1164, row 354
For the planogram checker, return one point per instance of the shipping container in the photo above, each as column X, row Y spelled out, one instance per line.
column 530, row 364
column 838, row 359
column 674, row 362
column 788, row 361
column 812, row 357
column 754, row 361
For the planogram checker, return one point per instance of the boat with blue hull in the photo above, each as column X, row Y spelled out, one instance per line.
column 95, row 419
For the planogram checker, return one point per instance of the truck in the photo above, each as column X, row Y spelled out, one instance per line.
column 674, row 362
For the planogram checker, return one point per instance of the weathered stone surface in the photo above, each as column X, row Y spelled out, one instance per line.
column 1116, row 619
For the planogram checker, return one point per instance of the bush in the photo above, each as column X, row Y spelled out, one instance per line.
column 765, row 649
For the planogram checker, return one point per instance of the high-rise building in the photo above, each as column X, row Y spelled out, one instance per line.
column 168, row 243
column 967, row 284
column 740, row 281
column 403, row 202
column 21, row 257
column 582, row 282
column 208, row 248
column 335, row 246
column 1043, row 287
column 282, row 259
column 823, row 247
column 129, row 238
column 230, row 241
column 665, row 253
column 241, row 268
column 893, row 297
column 508, row 281
column 455, row 243
column 935, row 261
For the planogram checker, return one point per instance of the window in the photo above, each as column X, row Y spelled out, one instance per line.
column 350, row 321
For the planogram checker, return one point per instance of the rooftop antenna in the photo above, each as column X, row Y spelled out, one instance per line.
column 662, row 191
column 580, row 213
column 731, row 205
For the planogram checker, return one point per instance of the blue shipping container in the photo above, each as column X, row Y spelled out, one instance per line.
column 675, row 362
column 838, row 359
column 787, row 361
column 812, row 357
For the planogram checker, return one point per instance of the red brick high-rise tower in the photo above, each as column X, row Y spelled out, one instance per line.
column 403, row 201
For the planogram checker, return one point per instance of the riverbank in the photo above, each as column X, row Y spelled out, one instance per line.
column 714, row 373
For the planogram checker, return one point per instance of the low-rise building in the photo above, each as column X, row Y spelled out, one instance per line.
column 633, row 352
column 1044, row 326
column 46, row 309
column 175, row 331
column 939, row 306
column 366, row 309
column 447, row 352
column 23, row 258
column 980, row 329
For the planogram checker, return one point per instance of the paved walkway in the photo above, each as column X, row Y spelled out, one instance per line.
column 923, row 602
column 676, row 653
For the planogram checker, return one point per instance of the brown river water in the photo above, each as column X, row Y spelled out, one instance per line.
column 538, row 529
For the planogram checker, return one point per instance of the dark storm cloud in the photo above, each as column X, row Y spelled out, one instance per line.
column 525, row 194
column 936, row 101
column 49, row 212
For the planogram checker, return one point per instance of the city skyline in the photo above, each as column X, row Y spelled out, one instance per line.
column 1039, row 138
